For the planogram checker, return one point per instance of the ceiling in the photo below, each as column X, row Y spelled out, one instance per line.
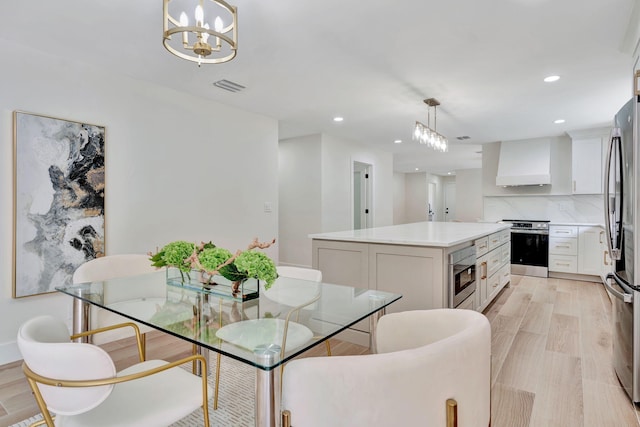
column 373, row 62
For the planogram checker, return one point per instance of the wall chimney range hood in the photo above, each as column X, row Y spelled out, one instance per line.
column 524, row 163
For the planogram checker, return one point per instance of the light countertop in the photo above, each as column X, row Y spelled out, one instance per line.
column 432, row 234
column 579, row 224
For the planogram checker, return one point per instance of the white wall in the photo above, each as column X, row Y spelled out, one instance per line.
column 332, row 190
column 416, row 197
column 177, row 166
column 469, row 195
column 399, row 198
column 338, row 156
column 300, row 200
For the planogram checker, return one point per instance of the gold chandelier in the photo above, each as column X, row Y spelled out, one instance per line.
column 196, row 39
column 428, row 136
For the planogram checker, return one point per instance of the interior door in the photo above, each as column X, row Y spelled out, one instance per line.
column 431, row 202
column 450, row 201
column 361, row 195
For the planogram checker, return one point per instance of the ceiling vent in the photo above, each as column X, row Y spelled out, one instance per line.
column 524, row 163
column 228, row 85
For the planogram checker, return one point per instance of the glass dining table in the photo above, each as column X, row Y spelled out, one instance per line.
column 266, row 332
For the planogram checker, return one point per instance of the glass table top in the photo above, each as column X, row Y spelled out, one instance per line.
column 310, row 312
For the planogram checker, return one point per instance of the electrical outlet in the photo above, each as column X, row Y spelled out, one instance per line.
column 267, row 207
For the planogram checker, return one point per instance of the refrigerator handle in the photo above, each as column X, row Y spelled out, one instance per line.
column 614, row 252
column 626, row 296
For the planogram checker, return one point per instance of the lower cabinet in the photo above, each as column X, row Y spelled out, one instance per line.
column 493, row 271
column 578, row 250
column 469, row 303
column 418, row 273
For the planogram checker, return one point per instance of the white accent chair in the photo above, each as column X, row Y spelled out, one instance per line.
column 299, row 273
column 79, row 383
column 425, row 358
column 288, row 334
column 111, row 267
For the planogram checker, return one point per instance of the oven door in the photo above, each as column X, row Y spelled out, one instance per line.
column 462, row 280
column 529, row 252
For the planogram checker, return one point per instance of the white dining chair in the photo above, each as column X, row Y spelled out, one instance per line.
column 287, row 333
column 79, row 385
column 432, row 367
column 116, row 266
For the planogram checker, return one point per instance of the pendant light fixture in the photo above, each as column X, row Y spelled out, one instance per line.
column 202, row 31
column 424, row 134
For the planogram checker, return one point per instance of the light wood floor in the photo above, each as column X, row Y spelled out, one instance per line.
column 551, row 359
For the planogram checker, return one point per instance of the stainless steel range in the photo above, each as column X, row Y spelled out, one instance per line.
column 529, row 247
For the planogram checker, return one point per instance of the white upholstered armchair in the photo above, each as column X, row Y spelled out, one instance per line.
column 111, row 267
column 79, row 384
column 425, row 358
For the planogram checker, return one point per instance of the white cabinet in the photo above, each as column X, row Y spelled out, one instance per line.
column 578, row 250
column 469, row 303
column 563, row 248
column 563, row 263
column 587, row 160
column 481, row 280
column 416, row 272
column 586, row 165
column 493, row 266
column 591, row 251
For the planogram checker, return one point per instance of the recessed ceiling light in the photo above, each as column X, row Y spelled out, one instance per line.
column 559, row 121
column 397, row 141
column 550, row 79
column 448, row 173
column 338, row 119
column 417, row 169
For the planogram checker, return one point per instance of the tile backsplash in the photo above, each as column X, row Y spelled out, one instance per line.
column 579, row 209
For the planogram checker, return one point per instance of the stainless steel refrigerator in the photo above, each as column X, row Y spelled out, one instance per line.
column 622, row 200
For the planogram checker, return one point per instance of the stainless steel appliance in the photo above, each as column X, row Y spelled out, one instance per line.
column 529, row 247
column 621, row 217
column 462, row 275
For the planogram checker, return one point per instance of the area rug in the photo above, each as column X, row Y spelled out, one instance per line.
column 235, row 401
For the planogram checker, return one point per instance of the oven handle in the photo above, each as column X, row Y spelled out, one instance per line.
column 626, row 296
column 542, row 232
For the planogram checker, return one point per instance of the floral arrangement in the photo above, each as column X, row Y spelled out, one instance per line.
column 211, row 260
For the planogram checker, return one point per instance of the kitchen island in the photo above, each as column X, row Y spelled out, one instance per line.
column 413, row 260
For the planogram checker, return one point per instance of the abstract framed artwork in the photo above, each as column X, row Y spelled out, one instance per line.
column 58, row 199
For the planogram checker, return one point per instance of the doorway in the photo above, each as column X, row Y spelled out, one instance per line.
column 450, row 201
column 431, row 202
column 361, row 195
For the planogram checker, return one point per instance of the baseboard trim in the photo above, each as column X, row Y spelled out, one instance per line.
column 575, row 276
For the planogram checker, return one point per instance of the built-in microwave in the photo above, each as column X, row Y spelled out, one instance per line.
column 462, row 275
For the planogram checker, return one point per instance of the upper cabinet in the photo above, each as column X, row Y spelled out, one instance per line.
column 587, row 160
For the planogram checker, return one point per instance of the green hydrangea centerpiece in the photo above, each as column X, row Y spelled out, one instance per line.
column 211, row 260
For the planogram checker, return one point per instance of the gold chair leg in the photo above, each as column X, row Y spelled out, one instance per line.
column 215, row 391
column 194, row 350
column 286, row 418
column 47, row 419
column 143, row 343
column 452, row 413
column 328, row 344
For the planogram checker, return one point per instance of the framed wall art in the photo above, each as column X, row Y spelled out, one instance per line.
column 58, row 200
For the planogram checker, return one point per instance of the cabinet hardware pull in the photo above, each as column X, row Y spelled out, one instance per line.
column 600, row 236
column 605, row 253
